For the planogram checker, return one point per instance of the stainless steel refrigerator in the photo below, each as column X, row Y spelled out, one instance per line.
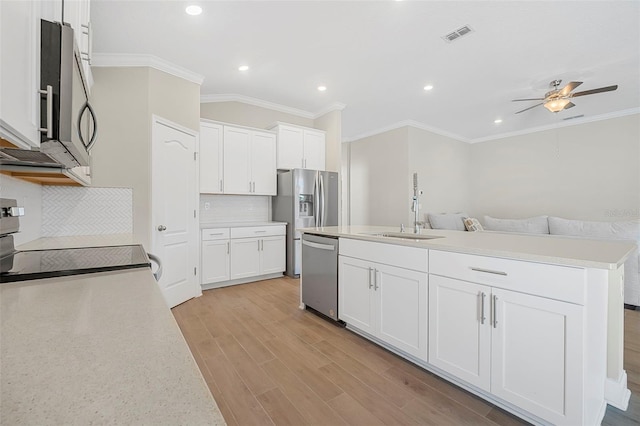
column 306, row 199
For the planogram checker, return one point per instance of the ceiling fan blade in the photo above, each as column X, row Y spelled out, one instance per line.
column 569, row 105
column 569, row 87
column 532, row 99
column 594, row 91
column 527, row 109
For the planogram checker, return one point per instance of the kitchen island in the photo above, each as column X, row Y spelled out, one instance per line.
column 95, row 349
column 533, row 324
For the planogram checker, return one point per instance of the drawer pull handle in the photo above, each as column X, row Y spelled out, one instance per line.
column 259, row 232
column 489, row 271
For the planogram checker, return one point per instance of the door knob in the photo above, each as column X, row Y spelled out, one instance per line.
column 162, row 228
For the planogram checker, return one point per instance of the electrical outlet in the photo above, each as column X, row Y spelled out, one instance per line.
column 207, row 206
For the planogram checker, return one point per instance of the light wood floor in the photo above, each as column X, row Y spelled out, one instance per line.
column 267, row 362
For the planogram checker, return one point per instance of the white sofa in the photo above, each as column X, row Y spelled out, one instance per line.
column 628, row 230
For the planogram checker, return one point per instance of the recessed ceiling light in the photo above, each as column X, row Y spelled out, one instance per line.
column 428, row 87
column 322, row 88
column 243, row 68
column 498, row 120
column 193, row 10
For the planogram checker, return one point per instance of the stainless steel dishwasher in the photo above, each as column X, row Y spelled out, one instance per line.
column 320, row 274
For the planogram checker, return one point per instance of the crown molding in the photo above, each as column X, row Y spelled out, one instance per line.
column 231, row 97
column 407, row 123
column 256, row 102
column 151, row 61
column 574, row 122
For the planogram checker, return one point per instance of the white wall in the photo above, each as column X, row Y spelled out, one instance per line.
column 379, row 176
column 124, row 100
column 442, row 164
column 29, row 196
column 589, row 171
column 249, row 115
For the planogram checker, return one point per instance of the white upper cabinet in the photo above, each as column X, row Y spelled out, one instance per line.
column 237, row 161
column 211, row 158
column 20, row 72
column 300, row 147
column 249, row 165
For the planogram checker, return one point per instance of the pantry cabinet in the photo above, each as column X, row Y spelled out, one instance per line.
column 388, row 302
column 300, row 147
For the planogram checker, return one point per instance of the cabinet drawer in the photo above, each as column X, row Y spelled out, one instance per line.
column 552, row 281
column 215, row 234
column 386, row 254
column 257, row 231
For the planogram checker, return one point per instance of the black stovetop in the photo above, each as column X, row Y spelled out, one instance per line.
column 37, row 264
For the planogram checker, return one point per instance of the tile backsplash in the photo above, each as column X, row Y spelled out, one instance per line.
column 86, row 211
column 234, row 208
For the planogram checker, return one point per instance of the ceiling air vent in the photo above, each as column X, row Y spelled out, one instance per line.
column 457, row 33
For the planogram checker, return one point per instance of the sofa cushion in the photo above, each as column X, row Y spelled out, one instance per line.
column 628, row 230
column 453, row 221
column 531, row 225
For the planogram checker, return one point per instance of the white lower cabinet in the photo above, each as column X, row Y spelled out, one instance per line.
column 387, row 302
column 524, row 349
column 215, row 261
column 240, row 254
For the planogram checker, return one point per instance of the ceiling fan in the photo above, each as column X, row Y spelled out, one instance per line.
column 557, row 99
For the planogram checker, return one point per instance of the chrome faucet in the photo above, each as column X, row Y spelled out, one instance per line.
column 415, row 206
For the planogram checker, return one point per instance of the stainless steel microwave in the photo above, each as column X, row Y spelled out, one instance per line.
column 68, row 123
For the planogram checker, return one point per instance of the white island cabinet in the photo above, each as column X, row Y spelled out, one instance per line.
column 533, row 325
column 385, row 300
column 496, row 332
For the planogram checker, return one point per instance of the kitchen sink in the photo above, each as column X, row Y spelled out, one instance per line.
column 403, row 235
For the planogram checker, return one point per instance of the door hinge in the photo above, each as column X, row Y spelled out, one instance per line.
column 194, row 270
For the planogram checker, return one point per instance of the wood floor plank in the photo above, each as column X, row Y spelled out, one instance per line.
column 325, row 388
column 367, row 397
column 280, row 409
column 424, row 383
column 314, row 410
column 428, row 414
column 385, row 387
column 503, row 418
column 246, row 409
column 354, row 413
column 258, row 329
column 252, row 375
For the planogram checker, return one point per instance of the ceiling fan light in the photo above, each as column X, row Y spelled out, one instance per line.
column 556, row 105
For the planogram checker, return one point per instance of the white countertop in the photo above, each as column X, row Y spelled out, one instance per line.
column 214, row 225
column 536, row 248
column 46, row 243
column 97, row 349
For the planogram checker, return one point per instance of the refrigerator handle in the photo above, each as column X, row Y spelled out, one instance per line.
column 321, row 209
column 316, row 202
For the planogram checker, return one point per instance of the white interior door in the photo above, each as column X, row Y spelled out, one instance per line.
column 174, row 200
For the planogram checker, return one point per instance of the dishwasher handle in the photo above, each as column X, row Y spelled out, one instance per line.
column 328, row 247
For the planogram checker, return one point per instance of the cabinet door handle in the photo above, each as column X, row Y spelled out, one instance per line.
column 375, row 281
column 220, row 185
column 488, row 271
column 228, row 244
column 495, row 311
column 482, row 316
column 370, row 282
column 49, row 129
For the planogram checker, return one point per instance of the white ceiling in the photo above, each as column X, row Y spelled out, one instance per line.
column 376, row 56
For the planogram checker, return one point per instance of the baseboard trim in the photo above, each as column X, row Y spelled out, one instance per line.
column 616, row 393
column 210, row 286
